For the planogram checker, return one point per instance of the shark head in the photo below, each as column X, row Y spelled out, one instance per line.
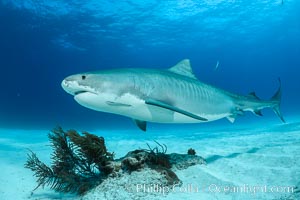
column 84, row 90
column 101, row 91
column 78, row 84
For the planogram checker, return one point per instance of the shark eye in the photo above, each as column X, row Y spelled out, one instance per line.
column 83, row 77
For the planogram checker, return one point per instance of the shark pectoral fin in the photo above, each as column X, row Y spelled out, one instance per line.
column 231, row 118
column 154, row 102
column 141, row 124
column 112, row 103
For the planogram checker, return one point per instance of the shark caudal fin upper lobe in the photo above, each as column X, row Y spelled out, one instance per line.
column 277, row 99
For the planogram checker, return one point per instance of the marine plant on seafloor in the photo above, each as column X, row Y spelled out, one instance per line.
column 80, row 162
column 157, row 156
column 191, row 152
column 154, row 158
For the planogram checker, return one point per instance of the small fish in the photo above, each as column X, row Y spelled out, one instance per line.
column 217, row 66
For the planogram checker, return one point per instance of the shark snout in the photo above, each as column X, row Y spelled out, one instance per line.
column 68, row 86
column 72, row 86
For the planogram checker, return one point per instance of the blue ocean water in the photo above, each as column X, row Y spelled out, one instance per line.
column 42, row 42
column 254, row 42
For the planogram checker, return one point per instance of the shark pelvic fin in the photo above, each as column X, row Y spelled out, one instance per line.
column 154, row 102
column 141, row 124
column 231, row 118
column 183, row 68
column 258, row 112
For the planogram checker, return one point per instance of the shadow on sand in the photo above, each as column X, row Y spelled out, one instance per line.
column 214, row 158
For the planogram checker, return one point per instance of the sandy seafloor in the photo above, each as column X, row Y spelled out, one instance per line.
column 262, row 155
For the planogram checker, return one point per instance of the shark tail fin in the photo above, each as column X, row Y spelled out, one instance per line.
column 277, row 99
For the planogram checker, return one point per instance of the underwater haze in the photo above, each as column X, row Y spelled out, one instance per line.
column 241, row 46
column 42, row 42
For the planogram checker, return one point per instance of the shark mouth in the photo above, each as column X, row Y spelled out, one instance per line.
column 80, row 92
column 83, row 91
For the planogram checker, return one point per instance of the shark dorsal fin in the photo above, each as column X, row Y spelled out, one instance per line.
column 183, row 68
column 253, row 95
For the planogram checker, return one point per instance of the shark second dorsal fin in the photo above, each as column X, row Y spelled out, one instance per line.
column 183, row 68
column 253, row 95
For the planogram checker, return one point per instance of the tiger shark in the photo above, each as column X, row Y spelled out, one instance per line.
column 171, row 95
